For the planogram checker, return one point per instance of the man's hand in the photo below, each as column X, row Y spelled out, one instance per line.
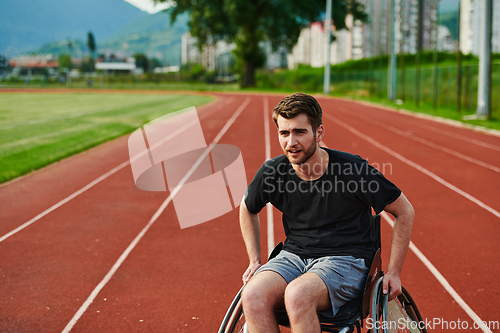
column 250, row 229
column 252, row 268
column 392, row 285
column 402, row 210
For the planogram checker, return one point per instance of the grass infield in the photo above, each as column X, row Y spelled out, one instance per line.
column 39, row 129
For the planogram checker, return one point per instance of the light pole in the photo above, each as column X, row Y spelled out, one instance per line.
column 328, row 29
column 483, row 110
column 391, row 91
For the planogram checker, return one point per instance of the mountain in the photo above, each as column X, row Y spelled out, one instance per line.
column 450, row 20
column 48, row 26
column 152, row 35
column 25, row 25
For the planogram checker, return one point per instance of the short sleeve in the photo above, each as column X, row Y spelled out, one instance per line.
column 256, row 196
column 376, row 190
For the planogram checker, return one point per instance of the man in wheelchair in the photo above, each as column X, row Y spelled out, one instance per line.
column 326, row 197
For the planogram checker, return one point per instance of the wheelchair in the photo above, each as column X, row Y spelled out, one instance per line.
column 398, row 315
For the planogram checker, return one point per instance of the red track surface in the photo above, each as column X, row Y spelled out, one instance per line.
column 184, row 280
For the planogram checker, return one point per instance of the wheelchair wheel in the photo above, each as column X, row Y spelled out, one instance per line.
column 400, row 315
column 404, row 312
column 234, row 321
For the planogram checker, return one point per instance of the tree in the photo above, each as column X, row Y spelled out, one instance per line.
column 154, row 62
column 141, row 61
column 91, row 43
column 64, row 61
column 4, row 66
column 88, row 65
column 248, row 23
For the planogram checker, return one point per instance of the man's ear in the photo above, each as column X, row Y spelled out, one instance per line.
column 320, row 132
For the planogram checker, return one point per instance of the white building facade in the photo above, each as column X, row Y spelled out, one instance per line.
column 191, row 54
column 365, row 40
column 470, row 21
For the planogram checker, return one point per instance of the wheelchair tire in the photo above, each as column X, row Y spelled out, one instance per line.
column 411, row 310
column 234, row 321
column 400, row 315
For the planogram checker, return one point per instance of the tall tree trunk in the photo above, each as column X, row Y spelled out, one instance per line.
column 253, row 57
column 248, row 79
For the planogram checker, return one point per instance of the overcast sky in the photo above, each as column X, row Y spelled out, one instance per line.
column 448, row 5
column 148, row 5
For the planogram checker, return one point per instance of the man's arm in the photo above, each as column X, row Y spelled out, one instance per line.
column 403, row 211
column 250, row 229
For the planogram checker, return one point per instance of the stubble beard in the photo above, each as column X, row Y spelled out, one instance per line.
column 307, row 153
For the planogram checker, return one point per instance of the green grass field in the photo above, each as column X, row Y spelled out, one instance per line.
column 39, row 129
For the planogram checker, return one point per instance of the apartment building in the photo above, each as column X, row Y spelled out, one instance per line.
column 470, row 21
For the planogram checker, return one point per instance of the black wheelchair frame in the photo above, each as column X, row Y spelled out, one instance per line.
column 351, row 315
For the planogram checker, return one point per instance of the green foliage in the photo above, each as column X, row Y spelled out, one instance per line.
column 88, row 65
column 154, row 63
column 91, row 42
column 141, row 61
column 307, row 78
column 4, row 64
column 426, row 59
column 64, row 61
column 304, row 78
column 247, row 23
column 196, row 73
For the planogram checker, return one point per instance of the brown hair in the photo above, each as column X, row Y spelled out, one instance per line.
column 293, row 105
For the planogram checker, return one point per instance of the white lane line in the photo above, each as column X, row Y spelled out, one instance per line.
column 157, row 214
column 442, row 280
column 65, row 200
column 88, row 186
column 415, row 165
column 463, row 138
column 446, row 132
column 269, row 207
column 421, row 140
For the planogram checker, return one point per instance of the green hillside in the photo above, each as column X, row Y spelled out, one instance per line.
column 450, row 20
column 25, row 25
column 151, row 35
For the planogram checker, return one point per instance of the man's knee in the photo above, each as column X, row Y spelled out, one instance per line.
column 296, row 299
column 263, row 292
column 252, row 297
column 305, row 295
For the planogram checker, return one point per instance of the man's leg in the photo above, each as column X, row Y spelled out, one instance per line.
column 304, row 297
column 262, row 294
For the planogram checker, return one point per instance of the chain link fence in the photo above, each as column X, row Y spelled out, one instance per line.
column 436, row 86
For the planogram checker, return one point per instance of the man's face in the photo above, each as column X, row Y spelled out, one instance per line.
column 297, row 138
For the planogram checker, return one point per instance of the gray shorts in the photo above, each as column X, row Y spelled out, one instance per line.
column 344, row 276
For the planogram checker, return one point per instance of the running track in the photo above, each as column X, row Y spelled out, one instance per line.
column 85, row 266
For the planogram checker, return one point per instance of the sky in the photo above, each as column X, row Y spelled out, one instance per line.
column 148, row 5
column 448, row 5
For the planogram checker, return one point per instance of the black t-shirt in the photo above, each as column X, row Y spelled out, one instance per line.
column 327, row 216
